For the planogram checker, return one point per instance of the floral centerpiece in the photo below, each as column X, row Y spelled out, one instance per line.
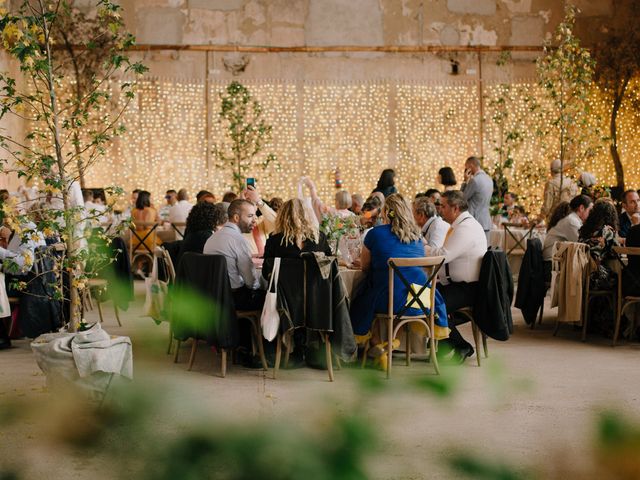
column 335, row 227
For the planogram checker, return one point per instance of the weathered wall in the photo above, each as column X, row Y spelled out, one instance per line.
column 350, row 22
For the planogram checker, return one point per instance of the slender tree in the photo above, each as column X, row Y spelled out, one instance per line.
column 66, row 134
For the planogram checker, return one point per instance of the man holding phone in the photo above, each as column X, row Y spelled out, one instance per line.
column 265, row 223
column 477, row 189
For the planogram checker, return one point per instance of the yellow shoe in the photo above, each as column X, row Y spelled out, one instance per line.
column 362, row 339
column 383, row 361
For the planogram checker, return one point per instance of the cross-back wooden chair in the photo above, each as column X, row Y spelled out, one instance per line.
column 427, row 318
column 627, row 301
column 519, row 242
column 142, row 240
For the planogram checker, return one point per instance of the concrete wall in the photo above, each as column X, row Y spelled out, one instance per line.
column 350, row 22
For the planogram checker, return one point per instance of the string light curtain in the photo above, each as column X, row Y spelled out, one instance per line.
column 361, row 128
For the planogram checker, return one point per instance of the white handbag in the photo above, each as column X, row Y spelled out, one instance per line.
column 156, row 295
column 270, row 318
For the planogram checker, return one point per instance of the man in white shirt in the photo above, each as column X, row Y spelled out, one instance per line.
column 171, row 197
column 179, row 212
column 246, row 284
column 464, row 247
column 434, row 229
column 566, row 230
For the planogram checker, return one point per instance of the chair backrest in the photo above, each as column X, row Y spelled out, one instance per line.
column 431, row 265
column 179, row 229
column 143, row 237
column 519, row 239
column 205, row 279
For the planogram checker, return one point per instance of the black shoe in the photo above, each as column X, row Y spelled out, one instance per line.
column 249, row 361
column 460, row 355
column 5, row 343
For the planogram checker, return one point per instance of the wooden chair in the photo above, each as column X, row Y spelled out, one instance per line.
column 520, row 242
column 396, row 321
column 626, row 301
column 557, row 267
column 467, row 312
column 611, row 295
column 143, row 238
column 96, row 287
column 179, row 228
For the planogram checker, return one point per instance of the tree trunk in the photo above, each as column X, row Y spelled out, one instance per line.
column 613, row 146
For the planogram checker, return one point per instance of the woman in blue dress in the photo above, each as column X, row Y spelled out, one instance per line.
column 397, row 237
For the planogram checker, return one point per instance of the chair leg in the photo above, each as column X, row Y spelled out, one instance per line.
column 555, row 330
column 175, row 356
column 389, row 346
column 432, row 354
column 616, row 331
column 484, row 346
column 258, row 340
column 327, row 348
column 276, row 365
column 407, row 341
column 100, row 311
column 338, row 363
column 223, row 362
column 192, row 357
column 287, row 350
column 476, row 339
column 585, row 321
column 116, row 311
column 367, row 345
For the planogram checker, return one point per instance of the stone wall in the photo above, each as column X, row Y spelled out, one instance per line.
column 350, row 22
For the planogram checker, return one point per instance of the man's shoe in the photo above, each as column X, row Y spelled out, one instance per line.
column 460, row 355
column 5, row 343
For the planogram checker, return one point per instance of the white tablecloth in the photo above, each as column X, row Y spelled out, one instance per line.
column 497, row 236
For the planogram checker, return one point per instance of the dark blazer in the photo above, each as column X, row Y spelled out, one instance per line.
column 624, row 224
column 531, row 285
column 492, row 310
column 193, row 242
column 274, row 248
column 202, row 302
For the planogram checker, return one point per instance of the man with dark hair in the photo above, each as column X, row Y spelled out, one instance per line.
column 630, row 215
column 478, row 188
column 434, row 229
column 170, row 197
column 229, row 241
column 229, row 197
column 464, row 247
column 566, row 230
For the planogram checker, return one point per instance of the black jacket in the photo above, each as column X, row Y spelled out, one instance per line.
column 624, row 224
column 531, row 286
column 193, row 242
column 492, row 310
column 306, row 299
column 202, row 303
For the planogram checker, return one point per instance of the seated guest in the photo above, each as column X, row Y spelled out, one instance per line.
column 357, row 201
column 276, row 203
column 171, row 197
column 631, row 274
column 230, row 242
column 179, row 212
column 204, row 219
column 229, row 197
column 630, row 212
column 294, row 234
column 205, row 196
column 518, row 215
column 398, row 236
column 370, row 215
column 342, row 202
column 599, row 232
column 264, row 224
column 463, row 249
column 566, row 230
column 434, row 229
column 587, row 184
column 508, row 203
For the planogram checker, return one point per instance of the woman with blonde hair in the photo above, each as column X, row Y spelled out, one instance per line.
column 398, row 236
column 294, row 233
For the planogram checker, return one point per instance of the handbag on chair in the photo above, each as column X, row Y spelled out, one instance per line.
column 270, row 318
column 156, row 295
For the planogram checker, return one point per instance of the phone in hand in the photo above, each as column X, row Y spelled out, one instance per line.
column 251, row 182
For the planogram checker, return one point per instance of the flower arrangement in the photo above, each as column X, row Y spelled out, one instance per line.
column 335, row 227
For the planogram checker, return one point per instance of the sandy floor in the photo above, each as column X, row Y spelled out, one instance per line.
column 533, row 403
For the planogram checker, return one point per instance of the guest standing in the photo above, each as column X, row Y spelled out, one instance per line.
column 386, row 183
column 477, row 192
column 553, row 194
column 447, row 178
